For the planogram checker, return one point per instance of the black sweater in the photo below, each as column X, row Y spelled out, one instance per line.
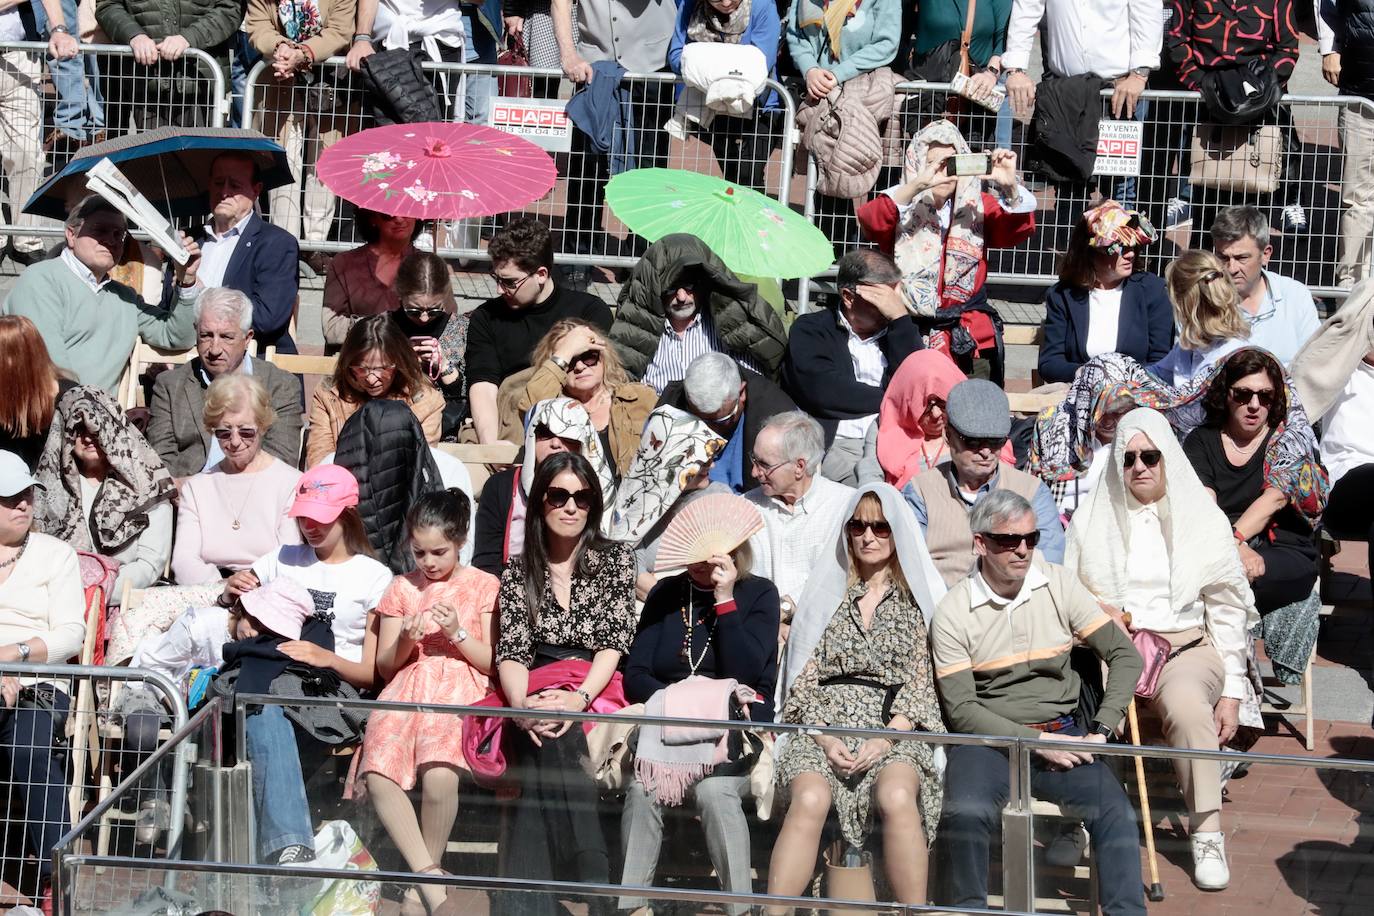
column 744, row 647
column 489, row 531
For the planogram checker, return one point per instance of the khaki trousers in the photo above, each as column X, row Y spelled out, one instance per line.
column 306, row 123
column 1189, row 687
column 1357, row 222
column 21, row 138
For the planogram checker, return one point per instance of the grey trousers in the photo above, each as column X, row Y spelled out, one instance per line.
column 719, row 800
column 842, row 461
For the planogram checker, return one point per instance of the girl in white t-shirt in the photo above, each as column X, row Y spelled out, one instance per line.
column 335, row 564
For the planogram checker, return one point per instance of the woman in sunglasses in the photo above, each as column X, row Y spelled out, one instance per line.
column 376, row 361
column 566, row 618
column 553, row 426
column 1150, row 542
column 575, row 360
column 438, row 335
column 1250, row 406
column 105, row 490
column 362, row 282
column 1106, row 301
column 1207, row 310
column 858, row 656
column 236, row 510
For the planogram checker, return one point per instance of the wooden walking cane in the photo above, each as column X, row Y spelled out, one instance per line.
column 1156, row 892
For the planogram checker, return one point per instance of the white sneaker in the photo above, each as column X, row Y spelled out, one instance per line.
column 1066, row 849
column 1178, row 213
column 1210, row 871
column 1294, row 218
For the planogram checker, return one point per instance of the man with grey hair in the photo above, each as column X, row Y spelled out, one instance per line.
column 1280, row 310
column 978, row 422
column 839, row 360
column 1014, row 622
column 801, row 509
column 736, row 403
column 89, row 321
column 224, row 336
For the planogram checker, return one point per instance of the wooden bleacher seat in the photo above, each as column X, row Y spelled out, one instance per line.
column 301, row 363
column 143, row 356
column 481, row 460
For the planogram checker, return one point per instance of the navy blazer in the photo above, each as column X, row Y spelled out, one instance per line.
column 818, row 372
column 263, row 268
column 1145, row 330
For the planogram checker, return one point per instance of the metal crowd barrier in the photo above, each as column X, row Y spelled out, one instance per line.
column 64, row 756
column 1288, row 840
column 305, row 116
column 102, row 93
column 1312, row 179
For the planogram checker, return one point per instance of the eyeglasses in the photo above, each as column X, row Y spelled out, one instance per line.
column 992, row 444
column 421, row 311
column 1148, row 457
column 591, row 359
column 105, row 233
column 23, row 496
column 246, row 433
column 857, row 526
column 1004, row 542
column 510, row 284
column 755, row 462
column 670, row 292
column 379, row 371
column 1244, row 396
column 933, row 402
column 557, row 498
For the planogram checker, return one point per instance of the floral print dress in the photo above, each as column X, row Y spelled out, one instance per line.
column 894, row 651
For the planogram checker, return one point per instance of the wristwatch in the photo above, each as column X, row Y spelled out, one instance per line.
column 60, row 28
column 560, row 362
column 586, row 698
column 1105, row 731
column 460, row 636
column 24, row 651
column 1142, row 72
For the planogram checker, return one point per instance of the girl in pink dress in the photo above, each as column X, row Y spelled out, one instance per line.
column 434, row 647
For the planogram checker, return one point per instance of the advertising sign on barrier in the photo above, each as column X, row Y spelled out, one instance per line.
column 1118, row 147
column 543, row 122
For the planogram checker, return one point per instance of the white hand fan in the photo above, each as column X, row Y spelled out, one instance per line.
column 717, row 523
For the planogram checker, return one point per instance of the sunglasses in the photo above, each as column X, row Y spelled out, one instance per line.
column 1011, row 541
column 977, row 445
column 591, row 359
column 557, row 498
column 423, row 311
column 23, row 496
column 856, row 528
column 1244, row 396
column 246, row 433
column 671, row 291
column 1148, row 457
column 510, row 284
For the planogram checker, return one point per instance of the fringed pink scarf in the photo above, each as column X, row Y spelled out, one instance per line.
column 671, row 759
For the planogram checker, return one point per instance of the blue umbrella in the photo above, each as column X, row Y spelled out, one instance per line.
column 169, row 165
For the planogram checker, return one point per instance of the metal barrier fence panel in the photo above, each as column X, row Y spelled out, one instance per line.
column 1168, row 186
column 69, row 735
column 53, row 108
column 1296, row 833
column 307, row 117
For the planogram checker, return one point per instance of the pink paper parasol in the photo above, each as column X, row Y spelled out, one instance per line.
column 437, row 170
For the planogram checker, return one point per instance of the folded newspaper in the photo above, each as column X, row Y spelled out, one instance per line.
column 109, row 182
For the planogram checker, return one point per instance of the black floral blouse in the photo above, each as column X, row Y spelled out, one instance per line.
column 602, row 615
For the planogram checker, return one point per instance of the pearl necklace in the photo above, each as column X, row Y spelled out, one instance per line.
column 17, row 554
column 688, row 624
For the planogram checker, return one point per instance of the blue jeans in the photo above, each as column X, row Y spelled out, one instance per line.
column 80, row 109
column 480, row 89
column 975, row 793
column 242, row 58
column 279, row 802
column 38, row 773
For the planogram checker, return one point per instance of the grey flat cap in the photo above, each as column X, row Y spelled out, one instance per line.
column 978, row 409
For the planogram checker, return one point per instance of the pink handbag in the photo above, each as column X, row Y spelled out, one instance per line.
column 1155, row 651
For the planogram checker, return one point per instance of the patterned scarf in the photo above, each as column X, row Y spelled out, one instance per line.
column 136, row 481
column 674, row 450
column 300, row 19
column 709, row 24
column 566, row 419
column 924, row 253
column 1291, row 462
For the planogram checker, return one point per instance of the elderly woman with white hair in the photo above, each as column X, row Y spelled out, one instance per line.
column 1150, row 542
column 224, row 339
column 235, row 512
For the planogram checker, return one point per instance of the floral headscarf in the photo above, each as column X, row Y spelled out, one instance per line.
column 921, row 375
column 136, row 482
column 1112, row 228
column 1291, row 462
column 674, row 451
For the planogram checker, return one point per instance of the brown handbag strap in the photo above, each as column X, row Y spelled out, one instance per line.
column 966, row 40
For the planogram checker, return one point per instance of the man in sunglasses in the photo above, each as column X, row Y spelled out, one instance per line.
column 682, row 301
column 978, row 422
column 1014, row 623
column 503, row 331
column 224, row 335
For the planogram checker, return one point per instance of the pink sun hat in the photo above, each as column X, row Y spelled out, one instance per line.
column 324, row 491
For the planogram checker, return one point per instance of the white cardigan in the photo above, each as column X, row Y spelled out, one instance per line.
column 43, row 599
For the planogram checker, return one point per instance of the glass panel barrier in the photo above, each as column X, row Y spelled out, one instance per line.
column 572, row 825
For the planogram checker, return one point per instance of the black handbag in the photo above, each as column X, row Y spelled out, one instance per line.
column 398, row 90
column 1241, row 95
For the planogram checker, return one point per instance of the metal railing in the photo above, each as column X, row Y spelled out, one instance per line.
column 102, row 93
column 1312, row 177
column 220, row 875
column 305, row 118
column 69, row 736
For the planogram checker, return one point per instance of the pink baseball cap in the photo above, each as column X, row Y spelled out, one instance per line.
column 323, row 492
column 281, row 606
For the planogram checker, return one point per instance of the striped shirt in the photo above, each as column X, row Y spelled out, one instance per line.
column 676, row 351
column 869, row 365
